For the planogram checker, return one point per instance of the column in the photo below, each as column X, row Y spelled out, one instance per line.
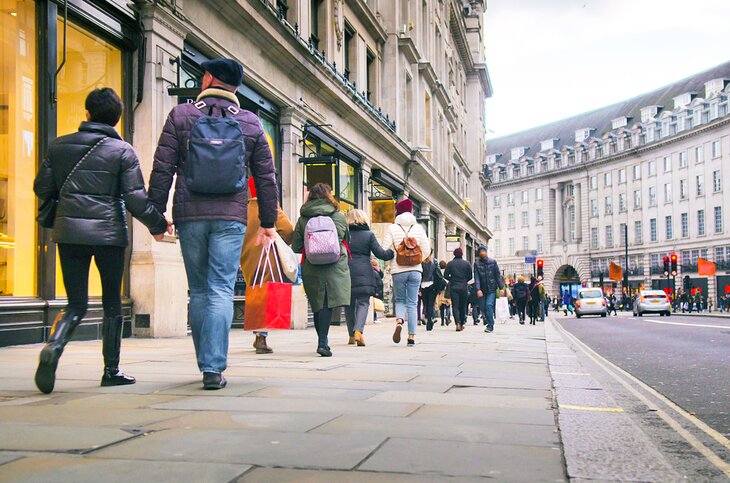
column 559, row 215
column 292, row 172
column 578, row 202
column 158, row 285
column 441, row 237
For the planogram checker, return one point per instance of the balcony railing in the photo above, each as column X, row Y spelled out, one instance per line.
column 657, row 270
column 631, row 272
column 337, row 74
column 689, row 268
column 724, row 265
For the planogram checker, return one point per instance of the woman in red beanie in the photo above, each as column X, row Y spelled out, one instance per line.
column 406, row 278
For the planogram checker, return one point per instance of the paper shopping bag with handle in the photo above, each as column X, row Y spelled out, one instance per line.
column 268, row 304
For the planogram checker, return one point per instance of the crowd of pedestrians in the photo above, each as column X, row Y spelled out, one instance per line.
column 227, row 217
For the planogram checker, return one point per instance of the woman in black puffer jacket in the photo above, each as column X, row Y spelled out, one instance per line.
column 95, row 177
column 363, row 279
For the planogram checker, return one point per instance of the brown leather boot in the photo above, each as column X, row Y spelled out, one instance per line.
column 261, row 346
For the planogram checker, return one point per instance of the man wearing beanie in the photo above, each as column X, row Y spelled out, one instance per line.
column 487, row 280
column 458, row 273
column 406, row 277
column 211, row 222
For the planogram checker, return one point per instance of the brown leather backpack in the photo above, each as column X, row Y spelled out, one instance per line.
column 408, row 253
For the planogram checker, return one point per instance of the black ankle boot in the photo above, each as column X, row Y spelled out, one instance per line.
column 111, row 331
column 61, row 332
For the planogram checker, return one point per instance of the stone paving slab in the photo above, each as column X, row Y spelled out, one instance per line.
column 467, row 414
column 502, row 462
column 59, row 469
column 260, row 421
column 295, row 405
column 297, row 450
column 85, row 417
column 453, row 399
column 279, row 475
column 444, row 430
column 46, row 437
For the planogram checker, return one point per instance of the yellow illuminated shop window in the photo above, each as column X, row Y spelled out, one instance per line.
column 17, row 148
column 90, row 63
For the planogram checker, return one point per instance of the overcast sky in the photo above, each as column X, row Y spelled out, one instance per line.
column 550, row 59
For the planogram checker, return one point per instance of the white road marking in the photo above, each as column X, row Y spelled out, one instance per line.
column 663, row 322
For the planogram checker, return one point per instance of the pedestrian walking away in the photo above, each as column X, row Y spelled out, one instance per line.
column 92, row 178
column 210, row 202
column 432, row 283
column 443, row 299
column 363, row 279
column 251, row 253
column 537, row 300
column 487, row 280
column 521, row 294
column 458, row 273
column 412, row 246
column 320, row 232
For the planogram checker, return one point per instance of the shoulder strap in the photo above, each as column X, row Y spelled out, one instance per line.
column 76, row 166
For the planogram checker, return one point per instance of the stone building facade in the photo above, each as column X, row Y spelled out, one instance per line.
column 382, row 99
column 655, row 164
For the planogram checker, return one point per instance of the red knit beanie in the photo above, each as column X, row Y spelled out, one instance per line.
column 403, row 206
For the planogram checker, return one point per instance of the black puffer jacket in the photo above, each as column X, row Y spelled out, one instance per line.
column 93, row 208
column 364, row 280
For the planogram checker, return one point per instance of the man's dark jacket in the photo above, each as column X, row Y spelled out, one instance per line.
column 171, row 156
column 458, row 272
column 92, row 210
column 486, row 275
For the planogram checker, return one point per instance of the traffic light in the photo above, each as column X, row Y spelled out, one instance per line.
column 666, row 266
column 540, row 265
column 687, row 283
column 673, row 259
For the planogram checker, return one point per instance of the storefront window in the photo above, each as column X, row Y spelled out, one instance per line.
column 329, row 167
column 90, row 63
column 18, row 139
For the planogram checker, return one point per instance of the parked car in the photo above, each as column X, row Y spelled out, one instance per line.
column 653, row 301
column 590, row 301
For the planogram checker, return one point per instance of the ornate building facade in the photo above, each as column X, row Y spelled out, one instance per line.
column 375, row 97
column 653, row 167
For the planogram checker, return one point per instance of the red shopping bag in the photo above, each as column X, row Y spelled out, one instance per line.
column 268, row 304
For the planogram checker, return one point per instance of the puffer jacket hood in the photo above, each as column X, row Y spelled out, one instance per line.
column 314, row 208
column 92, row 210
column 405, row 219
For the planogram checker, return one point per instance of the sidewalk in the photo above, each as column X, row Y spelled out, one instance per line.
column 457, row 407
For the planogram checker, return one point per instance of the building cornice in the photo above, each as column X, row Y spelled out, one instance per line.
column 703, row 128
column 369, row 18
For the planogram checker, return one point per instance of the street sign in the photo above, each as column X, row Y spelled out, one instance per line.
column 526, row 253
column 530, row 260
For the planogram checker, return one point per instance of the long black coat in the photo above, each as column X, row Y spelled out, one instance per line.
column 93, row 208
column 364, row 279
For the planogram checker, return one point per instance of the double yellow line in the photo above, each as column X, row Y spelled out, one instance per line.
column 623, row 378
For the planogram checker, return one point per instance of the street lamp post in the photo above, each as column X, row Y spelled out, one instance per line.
column 626, row 271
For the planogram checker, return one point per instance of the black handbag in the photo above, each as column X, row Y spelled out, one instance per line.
column 47, row 209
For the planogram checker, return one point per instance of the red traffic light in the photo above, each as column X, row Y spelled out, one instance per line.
column 665, row 259
column 540, row 262
column 674, row 257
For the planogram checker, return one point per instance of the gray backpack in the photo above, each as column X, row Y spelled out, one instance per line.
column 321, row 243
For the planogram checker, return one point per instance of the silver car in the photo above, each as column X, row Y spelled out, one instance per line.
column 590, row 301
column 653, row 301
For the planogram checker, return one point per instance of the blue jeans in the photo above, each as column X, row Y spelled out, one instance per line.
column 406, row 285
column 487, row 302
column 211, row 251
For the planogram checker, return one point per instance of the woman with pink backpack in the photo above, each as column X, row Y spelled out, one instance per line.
column 321, row 236
column 412, row 246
